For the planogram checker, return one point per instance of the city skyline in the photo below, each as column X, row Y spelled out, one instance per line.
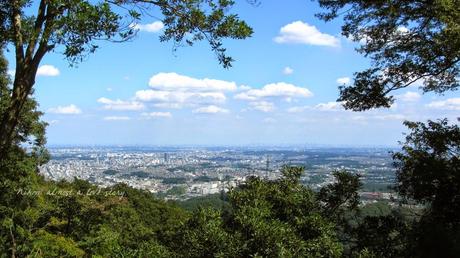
column 282, row 89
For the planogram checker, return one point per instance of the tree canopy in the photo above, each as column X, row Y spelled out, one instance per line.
column 408, row 42
column 428, row 172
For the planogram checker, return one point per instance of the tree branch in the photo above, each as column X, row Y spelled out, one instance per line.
column 44, row 47
column 13, row 248
column 17, row 34
column 37, row 30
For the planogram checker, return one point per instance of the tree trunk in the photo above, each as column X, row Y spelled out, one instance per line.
column 22, row 87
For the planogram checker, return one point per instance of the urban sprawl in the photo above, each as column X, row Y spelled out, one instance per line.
column 182, row 173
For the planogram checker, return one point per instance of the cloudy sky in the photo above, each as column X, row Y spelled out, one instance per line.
column 282, row 89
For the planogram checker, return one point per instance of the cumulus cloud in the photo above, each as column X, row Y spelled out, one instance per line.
column 263, row 106
column 117, row 118
column 448, row 104
column 330, row 106
column 169, row 105
column 288, row 70
column 172, row 90
column 210, row 110
column 150, row 27
column 120, row 104
column 180, row 98
column 299, row 32
column 174, row 81
column 157, row 115
column 65, row 110
column 409, row 96
column 280, row 89
column 47, row 70
column 343, row 80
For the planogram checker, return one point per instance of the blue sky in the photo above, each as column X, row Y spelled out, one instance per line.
column 281, row 89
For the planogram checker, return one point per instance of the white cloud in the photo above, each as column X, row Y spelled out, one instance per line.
column 288, row 70
column 172, row 90
column 263, row 106
column 117, row 118
column 448, row 104
column 280, row 89
column 299, row 32
column 169, row 105
column 210, row 110
column 180, row 98
column 330, row 106
column 157, row 114
column 244, row 88
column 409, row 96
column 150, row 27
column 174, row 81
column 65, row 110
column 120, row 104
column 47, row 70
column 343, row 80
column 109, row 89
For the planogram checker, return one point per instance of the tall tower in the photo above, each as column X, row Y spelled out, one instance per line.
column 267, row 168
column 222, row 189
column 166, row 158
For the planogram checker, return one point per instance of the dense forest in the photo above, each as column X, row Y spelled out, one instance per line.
column 261, row 218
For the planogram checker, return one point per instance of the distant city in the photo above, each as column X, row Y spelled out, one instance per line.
column 186, row 172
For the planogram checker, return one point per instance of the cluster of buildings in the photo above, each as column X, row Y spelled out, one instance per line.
column 189, row 172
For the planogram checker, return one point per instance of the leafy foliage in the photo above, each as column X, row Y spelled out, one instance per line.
column 18, row 169
column 341, row 196
column 282, row 218
column 428, row 172
column 406, row 41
